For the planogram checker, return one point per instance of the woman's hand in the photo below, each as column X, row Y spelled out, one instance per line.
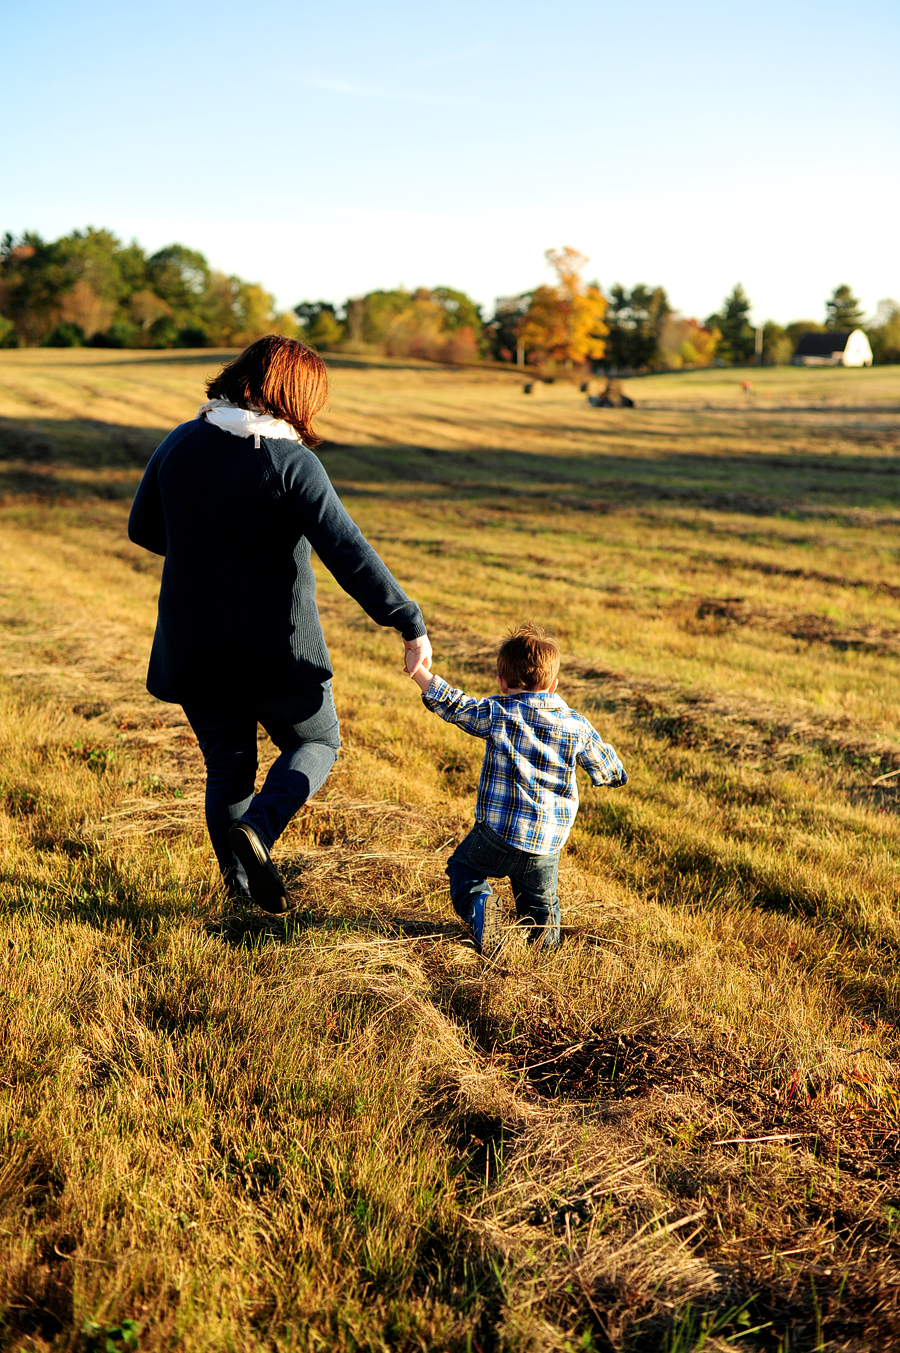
column 417, row 654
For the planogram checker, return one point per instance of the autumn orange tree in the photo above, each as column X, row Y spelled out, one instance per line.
column 564, row 323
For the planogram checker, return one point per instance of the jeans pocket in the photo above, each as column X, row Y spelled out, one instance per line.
column 483, row 855
column 543, row 871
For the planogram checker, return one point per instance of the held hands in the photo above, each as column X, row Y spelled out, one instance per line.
column 417, row 660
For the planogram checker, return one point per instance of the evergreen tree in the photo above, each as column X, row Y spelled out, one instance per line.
column 843, row 311
column 635, row 322
column 738, row 340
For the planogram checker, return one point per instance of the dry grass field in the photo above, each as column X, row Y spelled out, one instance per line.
column 345, row 1131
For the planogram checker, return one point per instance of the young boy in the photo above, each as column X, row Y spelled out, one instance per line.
column 527, row 794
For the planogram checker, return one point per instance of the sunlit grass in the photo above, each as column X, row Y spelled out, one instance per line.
column 346, row 1132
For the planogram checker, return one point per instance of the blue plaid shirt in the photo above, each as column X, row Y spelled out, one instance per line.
column 527, row 792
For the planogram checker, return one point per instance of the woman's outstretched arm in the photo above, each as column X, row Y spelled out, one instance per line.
column 343, row 548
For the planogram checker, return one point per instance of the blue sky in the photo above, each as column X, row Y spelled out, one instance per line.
column 326, row 150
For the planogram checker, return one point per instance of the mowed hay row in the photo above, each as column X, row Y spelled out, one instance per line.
column 345, row 1130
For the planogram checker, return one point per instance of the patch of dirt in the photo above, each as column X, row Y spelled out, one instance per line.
column 701, row 1114
column 764, row 1100
column 715, row 615
column 849, row 1130
column 773, row 570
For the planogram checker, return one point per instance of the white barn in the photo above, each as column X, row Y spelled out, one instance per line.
column 833, row 349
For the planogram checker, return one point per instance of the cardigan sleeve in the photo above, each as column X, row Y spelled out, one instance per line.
column 146, row 521
column 340, row 544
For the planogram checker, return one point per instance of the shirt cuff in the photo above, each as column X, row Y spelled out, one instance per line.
column 437, row 691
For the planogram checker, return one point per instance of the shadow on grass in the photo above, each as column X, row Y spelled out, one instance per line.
column 46, row 485
column 250, row 928
column 81, row 442
column 822, row 1311
column 211, row 357
column 609, row 477
column 42, row 455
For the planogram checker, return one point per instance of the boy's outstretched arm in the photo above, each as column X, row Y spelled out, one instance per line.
column 421, row 676
column 601, row 761
column 471, row 715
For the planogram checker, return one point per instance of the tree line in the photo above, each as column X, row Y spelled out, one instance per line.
column 88, row 288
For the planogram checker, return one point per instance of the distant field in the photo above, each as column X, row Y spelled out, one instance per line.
column 346, row 1132
column 877, row 385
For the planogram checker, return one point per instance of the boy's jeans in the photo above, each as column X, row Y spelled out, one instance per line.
column 534, row 878
column 305, row 729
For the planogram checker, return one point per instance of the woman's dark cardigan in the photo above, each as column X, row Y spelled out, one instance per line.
column 238, row 621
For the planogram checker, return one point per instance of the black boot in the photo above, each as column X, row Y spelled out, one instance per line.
column 237, row 892
column 265, row 882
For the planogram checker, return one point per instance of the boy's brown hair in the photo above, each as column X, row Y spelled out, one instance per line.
column 279, row 376
column 528, row 658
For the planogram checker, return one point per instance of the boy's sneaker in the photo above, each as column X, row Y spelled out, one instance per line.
column 485, row 922
column 266, row 885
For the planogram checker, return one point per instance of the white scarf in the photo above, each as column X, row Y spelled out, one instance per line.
column 247, row 422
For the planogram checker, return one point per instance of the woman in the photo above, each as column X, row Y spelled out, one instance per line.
column 235, row 500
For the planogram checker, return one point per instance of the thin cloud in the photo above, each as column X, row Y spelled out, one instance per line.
column 349, row 89
column 446, row 60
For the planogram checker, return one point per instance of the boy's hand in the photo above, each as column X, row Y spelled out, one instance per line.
column 423, row 678
column 417, row 655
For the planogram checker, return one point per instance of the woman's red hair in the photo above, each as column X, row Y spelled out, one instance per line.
column 278, row 376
